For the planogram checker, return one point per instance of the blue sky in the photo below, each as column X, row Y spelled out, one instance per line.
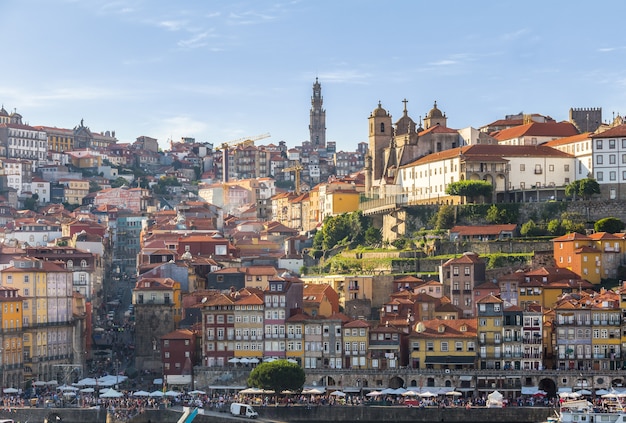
column 222, row 70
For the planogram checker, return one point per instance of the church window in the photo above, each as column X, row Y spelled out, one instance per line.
column 382, row 127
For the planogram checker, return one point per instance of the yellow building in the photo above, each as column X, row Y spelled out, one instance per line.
column 11, row 356
column 311, row 215
column 489, row 332
column 75, row 190
column 47, row 337
column 339, row 197
column 249, row 306
column 356, row 344
column 443, row 344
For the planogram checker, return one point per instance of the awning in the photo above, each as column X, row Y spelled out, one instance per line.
column 465, row 377
column 448, row 359
column 178, row 379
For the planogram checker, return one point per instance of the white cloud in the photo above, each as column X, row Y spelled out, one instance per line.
column 173, row 25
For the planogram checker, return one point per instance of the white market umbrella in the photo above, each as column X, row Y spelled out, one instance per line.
column 195, row 392
column 376, row 394
column 253, row 360
column 251, row 391
column 427, row 394
column 313, row 391
column 10, row 391
column 111, row 393
column 610, row 395
column 67, row 388
column 172, row 393
column 244, row 360
column 234, row 360
column 338, row 394
column 141, row 394
column 69, row 394
column 410, row 394
column 584, row 392
column 157, row 394
column 87, row 390
column 454, row 393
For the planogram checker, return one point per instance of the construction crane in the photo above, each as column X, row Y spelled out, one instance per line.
column 296, row 169
column 227, row 145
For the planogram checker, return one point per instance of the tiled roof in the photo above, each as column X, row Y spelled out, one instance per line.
column 618, row 131
column 483, row 229
column 537, row 129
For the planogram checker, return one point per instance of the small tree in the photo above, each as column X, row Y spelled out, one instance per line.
column 583, row 188
column 530, row 228
column 445, row 217
column 470, row 189
column 498, row 215
column 278, row 375
column 611, row 225
column 373, row 236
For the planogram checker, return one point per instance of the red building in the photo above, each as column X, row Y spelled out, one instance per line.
column 178, row 355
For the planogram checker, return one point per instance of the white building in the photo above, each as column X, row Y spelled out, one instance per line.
column 512, row 170
column 609, row 162
column 19, row 173
column 579, row 146
column 24, row 142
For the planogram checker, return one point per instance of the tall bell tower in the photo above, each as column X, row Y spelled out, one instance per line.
column 317, row 125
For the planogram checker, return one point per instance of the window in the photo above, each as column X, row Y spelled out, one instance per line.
column 467, row 271
column 598, row 144
column 612, row 175
column 430, row 346
column 599, row 159
column 522, row 167
column 600, row 176
column 455, row 271
column 611, row 144
column 444, row 346
column 612, row 159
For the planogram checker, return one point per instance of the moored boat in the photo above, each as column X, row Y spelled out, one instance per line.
column 583, row 411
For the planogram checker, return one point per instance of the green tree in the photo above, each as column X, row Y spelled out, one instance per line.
column 530, row 229
column 611, row 225
column 583, row 188
column 373, row 236
column 278, row 375
column 346, row 228
column 31, row 203
column 556, row 228
column 470, row 189
column 119, row 182
column 93, row 186
column 500, row 214
column 445, row 217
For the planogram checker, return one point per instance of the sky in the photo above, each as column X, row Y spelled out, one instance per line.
column 223, row 70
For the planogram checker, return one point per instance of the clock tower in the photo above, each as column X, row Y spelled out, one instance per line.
column 317, row 125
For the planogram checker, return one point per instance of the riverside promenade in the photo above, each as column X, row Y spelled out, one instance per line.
column 281, row 414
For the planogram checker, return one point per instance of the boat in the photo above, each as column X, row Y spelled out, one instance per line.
column 583, row 411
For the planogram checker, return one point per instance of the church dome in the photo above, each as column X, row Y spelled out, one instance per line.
column 3, row 112
column 379, row 111
column 435, row 112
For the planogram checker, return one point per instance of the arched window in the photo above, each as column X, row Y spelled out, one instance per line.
column 70, row 264
column 83, row 263
column 382, row 127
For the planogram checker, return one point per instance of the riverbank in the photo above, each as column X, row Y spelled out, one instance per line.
column 344, row 414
